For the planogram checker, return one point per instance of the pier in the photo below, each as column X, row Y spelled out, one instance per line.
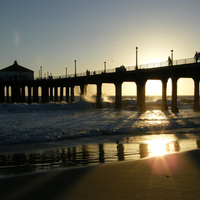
column 186, row 68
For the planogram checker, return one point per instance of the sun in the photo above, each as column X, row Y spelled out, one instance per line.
column 154, row 87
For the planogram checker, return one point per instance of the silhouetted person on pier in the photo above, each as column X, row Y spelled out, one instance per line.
column 87, row 72
column 169, row 61
column 196, row 56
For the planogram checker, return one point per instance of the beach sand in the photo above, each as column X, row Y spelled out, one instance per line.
column 172, row 176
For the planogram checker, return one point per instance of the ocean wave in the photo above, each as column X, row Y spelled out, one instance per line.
column 37, row 130
column 32, row 123
column 22, row 107
column 89, row 103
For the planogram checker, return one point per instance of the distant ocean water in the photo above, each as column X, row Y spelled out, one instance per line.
column 33, row 129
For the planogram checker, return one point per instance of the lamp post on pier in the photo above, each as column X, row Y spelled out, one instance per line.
column 172, row 56
column 75, row 67
column 41, row 72
column 104, row 67
column 136, row 58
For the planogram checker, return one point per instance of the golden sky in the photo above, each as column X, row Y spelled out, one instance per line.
column 54, row 33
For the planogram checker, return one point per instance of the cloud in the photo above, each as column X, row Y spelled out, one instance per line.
column 16, row 37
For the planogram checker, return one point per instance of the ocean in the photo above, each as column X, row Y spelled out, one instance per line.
column 52, row 136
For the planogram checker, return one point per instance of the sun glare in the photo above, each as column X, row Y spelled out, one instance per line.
column 155, row 147
column 158, row 146
column 153, row 87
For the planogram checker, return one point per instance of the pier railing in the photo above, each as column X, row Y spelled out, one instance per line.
column 128, row 68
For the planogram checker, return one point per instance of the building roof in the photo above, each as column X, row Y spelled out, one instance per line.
column 16, row 68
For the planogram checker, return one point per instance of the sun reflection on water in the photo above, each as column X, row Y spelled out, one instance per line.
column 153, row 114
column 154, row 117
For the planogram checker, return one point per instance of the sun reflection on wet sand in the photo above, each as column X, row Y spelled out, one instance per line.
column 159, row 146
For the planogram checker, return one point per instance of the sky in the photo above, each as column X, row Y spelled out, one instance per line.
column 54, row 33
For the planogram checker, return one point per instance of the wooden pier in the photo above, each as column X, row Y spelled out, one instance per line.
column 16, row 88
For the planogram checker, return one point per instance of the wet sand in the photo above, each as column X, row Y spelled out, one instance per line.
column 172, row 176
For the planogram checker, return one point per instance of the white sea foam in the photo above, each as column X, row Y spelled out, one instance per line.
column 28, row 123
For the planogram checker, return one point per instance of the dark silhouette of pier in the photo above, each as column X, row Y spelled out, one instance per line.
column 186, row 68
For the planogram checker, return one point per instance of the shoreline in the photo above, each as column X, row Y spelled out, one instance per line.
column 61, row 156
column 96, row 139
column 171, row 176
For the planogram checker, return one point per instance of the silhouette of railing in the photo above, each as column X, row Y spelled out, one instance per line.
column 128, row 68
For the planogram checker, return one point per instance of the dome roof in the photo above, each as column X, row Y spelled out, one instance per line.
column 16, row 68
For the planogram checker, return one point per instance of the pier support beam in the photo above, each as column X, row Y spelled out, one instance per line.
column 51, row 93
column 83, row 90
column 141, row 95
column 61, row 94
column 45, row 94
column 67, row 94
column 164, row 106
column 29, row 94
column 13, row 97
column 118, row 95
column 174, row 95
column 56, row 94
column 15, row 93
column 22, row 94
column 98, row 100
column 196, row 95
column 35, row 94
column 72, row 93
column 138, row 94
column 2, row 94
column 7, row 94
